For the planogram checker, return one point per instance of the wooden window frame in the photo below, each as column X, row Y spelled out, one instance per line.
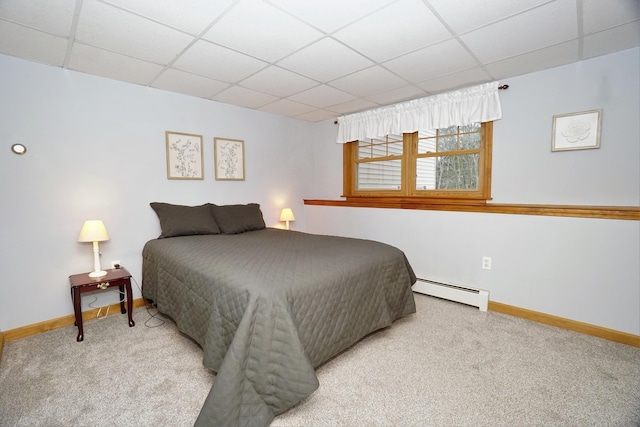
column 409, row 192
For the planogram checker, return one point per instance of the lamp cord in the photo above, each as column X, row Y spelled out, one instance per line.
column 152, row 315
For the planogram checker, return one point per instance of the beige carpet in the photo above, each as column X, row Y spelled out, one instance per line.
column 447, row 365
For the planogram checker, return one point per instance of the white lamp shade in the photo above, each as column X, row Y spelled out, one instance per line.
column 93, row 231
column 287, row 215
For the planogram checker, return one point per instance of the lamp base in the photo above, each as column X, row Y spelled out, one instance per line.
column 97, row 274
column 97, row 270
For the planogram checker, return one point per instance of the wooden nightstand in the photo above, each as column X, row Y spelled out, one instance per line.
column 81, row 283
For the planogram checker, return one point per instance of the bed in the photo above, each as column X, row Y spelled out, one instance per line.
column 267, row 305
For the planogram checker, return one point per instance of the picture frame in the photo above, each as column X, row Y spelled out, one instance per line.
column 184, row 155
column 228, row 159
column 577, row 131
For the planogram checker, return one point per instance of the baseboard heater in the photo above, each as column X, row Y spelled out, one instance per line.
column 474, row 297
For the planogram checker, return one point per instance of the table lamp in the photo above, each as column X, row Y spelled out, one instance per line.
column 94, row 231
column 287, row 215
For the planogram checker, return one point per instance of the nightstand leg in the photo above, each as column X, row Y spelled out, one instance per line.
column 75, row 322
column 130, row 304
column 78, row 312
column 122, row 310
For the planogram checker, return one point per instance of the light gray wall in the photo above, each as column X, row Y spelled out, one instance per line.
column 582, row 269
column 96, row 149
column 525, row 170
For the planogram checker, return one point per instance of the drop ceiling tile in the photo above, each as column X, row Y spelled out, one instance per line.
column 278, row 81
column 329, row 15
column 397, row 95
column 553, row 23
column 110, row 28
column 244, row 97
column 317, row 116
column 322, row 96
column 613, row 40
column 465, row 15
column 369, row 82
column 325, row 60
column 261, row 30
column 32, row 45
column 287, row 108
column 100, row 62
column 542, row 59
column 178, row 81
column 399, row 28
column 600, row 15
column 513, row 37
column 217, row 62
column 455, row 81
column 192, row 19
column 51, row 16
column 353, row 106
column 428, row 63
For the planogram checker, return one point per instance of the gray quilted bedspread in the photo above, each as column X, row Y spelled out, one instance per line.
column 268, row 306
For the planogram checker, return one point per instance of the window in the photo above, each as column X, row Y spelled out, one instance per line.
column 379, row 163
column 451, row 163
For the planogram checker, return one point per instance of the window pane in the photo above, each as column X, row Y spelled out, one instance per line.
column 380, row 147
column 447, row 143
column 470, row 141
column 364, row 150
column 384, row 175
column 449, row 131
column 426, row 173
column 380, row 150
column 427, row 145
column 395, row 148
column 473, row 127
column 447, row 172
column 426, row 133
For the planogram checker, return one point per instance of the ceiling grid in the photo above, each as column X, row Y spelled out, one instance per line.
column 316, row 59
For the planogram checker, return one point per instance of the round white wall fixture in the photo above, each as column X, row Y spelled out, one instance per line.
column 18, row 148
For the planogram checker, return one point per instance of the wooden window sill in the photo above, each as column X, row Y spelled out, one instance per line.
column 577, row 211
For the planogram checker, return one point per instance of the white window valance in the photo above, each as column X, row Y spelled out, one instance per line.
column 461, row 107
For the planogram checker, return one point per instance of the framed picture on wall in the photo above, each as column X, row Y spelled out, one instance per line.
column 184, row 156
column 576, row 131
column 229, row 159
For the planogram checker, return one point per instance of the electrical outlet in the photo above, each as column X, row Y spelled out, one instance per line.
column 486, row 263
column 115, row 262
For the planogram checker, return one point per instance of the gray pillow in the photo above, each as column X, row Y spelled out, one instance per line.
column 234, row 219
column 178, row 220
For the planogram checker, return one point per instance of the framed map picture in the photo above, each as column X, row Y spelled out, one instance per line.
column 229, row 159
column 184, row 156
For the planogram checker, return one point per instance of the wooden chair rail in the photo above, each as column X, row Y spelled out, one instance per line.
column 603, row 212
